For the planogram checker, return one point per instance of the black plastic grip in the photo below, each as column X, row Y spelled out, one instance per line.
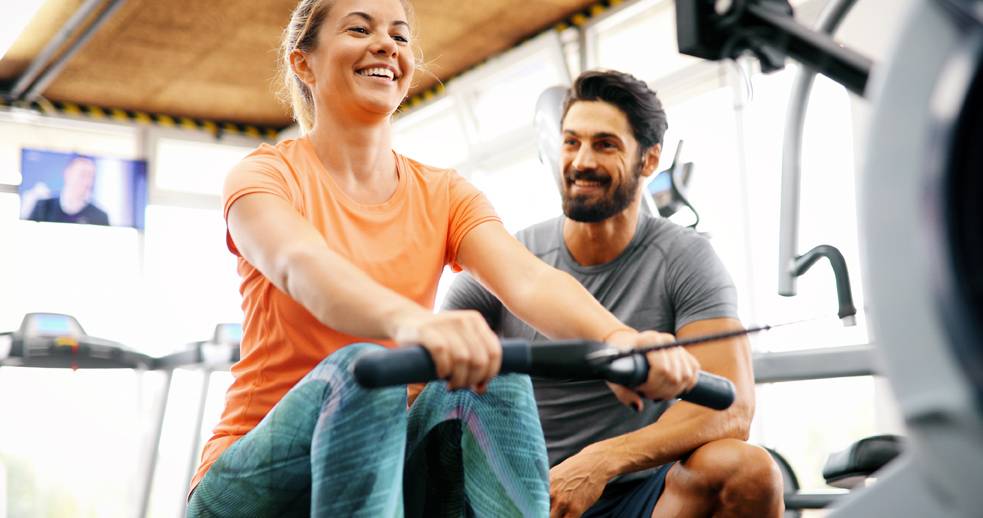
column 392, row 367
column 711, row 391
column 412, row 364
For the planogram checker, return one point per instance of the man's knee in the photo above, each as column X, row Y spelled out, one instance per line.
column 736, row 467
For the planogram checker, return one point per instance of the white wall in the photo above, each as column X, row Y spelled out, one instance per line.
column 81, row 436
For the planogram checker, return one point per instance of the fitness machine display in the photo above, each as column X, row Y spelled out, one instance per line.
column 53, row 340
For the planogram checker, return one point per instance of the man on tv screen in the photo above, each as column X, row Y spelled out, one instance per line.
column 72, row 204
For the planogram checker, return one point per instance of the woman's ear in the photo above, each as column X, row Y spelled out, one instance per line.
column 651, row 159
column 301, row 67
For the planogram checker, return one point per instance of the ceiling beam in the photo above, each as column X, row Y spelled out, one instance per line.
column 40, row 74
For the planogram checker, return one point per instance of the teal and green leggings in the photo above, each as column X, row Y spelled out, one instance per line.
column 331, row 448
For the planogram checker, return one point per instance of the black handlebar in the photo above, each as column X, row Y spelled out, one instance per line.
column 564, row 360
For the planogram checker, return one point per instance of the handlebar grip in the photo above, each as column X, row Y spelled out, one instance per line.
column 413, row 364
column 711, row 391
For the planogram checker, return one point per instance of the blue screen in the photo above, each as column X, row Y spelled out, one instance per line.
column 660, row 183
column 107, row 191
column 230, row 333
column 53, row 324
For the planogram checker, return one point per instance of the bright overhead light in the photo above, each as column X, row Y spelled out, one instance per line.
column 14, row 16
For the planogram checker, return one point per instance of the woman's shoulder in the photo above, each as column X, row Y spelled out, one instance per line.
column 436, row 181
column 287, row 158
column 285, row 151
column 425, row 170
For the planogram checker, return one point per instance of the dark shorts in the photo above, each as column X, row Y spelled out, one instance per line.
column 631, row 499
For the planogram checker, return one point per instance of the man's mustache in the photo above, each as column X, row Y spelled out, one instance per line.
column 587, row 175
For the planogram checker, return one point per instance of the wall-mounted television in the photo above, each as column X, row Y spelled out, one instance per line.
column 77, row 188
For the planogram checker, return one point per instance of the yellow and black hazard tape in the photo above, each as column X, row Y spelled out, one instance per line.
column 216, row 128
column 578, row 19
column 422, row 97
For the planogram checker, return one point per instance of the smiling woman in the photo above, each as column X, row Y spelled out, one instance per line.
column 302, row 35
column 338, row 237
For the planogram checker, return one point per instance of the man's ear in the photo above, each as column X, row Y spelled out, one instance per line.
column 301, row 67
column 651, row 159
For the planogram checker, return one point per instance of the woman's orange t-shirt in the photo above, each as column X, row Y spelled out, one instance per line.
column 402, row 243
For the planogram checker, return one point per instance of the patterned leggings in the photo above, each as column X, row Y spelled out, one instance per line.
column 330, row 448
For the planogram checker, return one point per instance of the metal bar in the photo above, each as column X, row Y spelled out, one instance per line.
column 196, row 440
column 188, row 358
column 151, row 466
column 788, row 234
column 50, row 73
column 813, row 364
column 807, row 500
column 55, row 43
column 816, row 50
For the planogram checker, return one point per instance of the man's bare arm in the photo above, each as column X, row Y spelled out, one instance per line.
column 685, row 426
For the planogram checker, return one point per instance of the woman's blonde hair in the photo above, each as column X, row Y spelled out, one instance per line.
column 301, row 34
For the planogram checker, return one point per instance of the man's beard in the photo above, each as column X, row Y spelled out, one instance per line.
column 584, row 210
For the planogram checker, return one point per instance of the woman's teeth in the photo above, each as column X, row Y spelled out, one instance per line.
column 378, row 72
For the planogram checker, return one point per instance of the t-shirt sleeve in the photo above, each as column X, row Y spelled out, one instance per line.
column 257, row 173
column 698, row 283
column 467, row 293
column 468, row 209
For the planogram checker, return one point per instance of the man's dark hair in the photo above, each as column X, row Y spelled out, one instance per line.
column 630, row 95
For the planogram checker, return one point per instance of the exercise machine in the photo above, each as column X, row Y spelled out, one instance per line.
column 54, row 340
column 923, row 268
column 215, row 354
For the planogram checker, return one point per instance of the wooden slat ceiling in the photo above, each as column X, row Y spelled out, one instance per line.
column 215, row 59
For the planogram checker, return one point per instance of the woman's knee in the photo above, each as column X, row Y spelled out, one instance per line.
column 335, row 371
column 513, row 390
column 339, row 363
column 508, row 393
column 511, row 383
column 349, row 353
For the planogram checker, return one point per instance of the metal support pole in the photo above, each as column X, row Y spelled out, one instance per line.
column 788, row 237
column 206, row 377
column 63, row 35
column 34, row 86
column 151, row 465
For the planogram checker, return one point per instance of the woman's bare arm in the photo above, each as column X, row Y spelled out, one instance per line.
column 557, row 305
column 290, row 252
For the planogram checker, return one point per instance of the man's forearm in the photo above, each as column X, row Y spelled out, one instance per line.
column 678, row 432
column 685, row 427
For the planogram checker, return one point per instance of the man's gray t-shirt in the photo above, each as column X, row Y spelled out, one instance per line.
column 667, row 277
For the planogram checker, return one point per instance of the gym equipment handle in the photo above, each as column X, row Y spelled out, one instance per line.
column 412, row 364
